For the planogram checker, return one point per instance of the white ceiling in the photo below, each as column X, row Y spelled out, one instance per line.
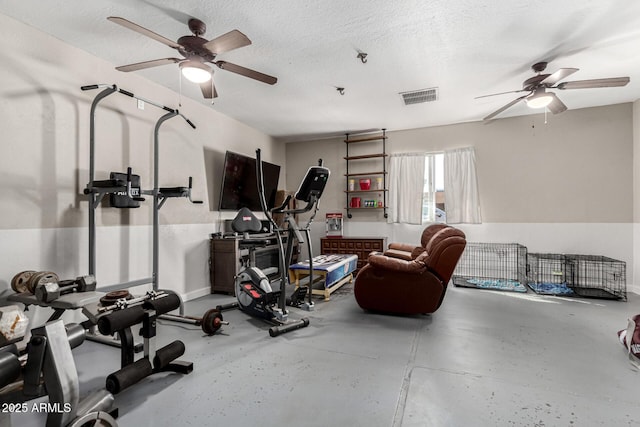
column 466, row 48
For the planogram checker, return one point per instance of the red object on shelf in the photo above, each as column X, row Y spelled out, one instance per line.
column 365, row 184
column 355, row 202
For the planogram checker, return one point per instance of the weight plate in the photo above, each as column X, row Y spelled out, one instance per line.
column 20, row 281
column 211, row 321
column 31, row 284
column 41, row 278
column 112, row 297
column 94, row 419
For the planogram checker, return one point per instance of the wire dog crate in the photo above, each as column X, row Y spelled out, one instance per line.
column 590, row 276
column 595, row 276
column 547, row 274
column 498, row 266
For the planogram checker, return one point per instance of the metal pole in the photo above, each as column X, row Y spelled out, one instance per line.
column 156, row 199
column 93, row 201
column 349, row 195
column 384, row 172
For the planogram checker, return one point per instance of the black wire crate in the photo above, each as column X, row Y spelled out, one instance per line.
column 547, row 274
column 595, row 276
column 496, row 266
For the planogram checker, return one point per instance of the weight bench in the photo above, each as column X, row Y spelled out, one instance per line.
column 87, row 301
column 333, row 271
column 71, row 301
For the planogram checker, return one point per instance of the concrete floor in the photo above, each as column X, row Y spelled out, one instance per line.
column 486, row 358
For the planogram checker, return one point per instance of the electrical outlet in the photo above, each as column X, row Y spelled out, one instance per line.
column 140, row 104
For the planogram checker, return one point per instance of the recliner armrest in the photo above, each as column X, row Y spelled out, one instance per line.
column 402, row 246
column 378, row 260
column 396, row 253
column 404, row 251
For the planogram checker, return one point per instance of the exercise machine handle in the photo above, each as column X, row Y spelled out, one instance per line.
column 129, row 188
column 188, row 121
column 284, row 205
column 197, row 202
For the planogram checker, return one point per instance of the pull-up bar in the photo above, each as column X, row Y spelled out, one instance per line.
column 115, row 88
column 97, row 193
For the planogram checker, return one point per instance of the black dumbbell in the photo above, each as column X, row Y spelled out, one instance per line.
column 48, row 292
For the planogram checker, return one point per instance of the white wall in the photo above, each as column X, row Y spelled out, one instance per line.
column 44, row 167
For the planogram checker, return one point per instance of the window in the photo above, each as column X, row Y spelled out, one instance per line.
column 433, row 201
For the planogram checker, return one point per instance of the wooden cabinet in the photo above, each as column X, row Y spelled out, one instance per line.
column 368, row 163
column 360, row 246
column 224, row 264
column 227, row 257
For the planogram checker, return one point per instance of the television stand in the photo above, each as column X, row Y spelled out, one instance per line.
column 227, row 257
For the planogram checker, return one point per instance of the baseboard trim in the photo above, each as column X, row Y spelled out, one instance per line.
column 195, row 294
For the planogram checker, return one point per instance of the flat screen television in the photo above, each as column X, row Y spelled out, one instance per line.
column 239, row 184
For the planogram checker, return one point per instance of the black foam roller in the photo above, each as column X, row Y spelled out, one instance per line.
column 279, row 330
column 120, row 319
column 11, row 348
column 168, row 354
column 9, row 368
column 128, row 376
column 228, row 306
column 163, row 305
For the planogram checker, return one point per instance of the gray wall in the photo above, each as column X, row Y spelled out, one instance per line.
column 565, row 186
column 45, row 161
column 576, row 168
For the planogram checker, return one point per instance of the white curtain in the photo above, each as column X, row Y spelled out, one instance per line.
column 429, row 189
column 406, row 186
column 461, row 186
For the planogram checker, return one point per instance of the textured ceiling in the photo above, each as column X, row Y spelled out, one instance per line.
column 466, row 48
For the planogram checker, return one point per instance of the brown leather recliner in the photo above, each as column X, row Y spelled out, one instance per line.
column 391, row 285
column 408, row 251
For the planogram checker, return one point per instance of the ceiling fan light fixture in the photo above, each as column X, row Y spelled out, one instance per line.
column 195, row 71
column 539, row 99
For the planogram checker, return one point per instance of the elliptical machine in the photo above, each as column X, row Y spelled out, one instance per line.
column 253, row 288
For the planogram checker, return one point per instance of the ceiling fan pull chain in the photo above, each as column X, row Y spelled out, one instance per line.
column 179, row 88
column 545, row 115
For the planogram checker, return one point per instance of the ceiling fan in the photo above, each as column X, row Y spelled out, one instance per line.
column 196, row 52
column 536, row 88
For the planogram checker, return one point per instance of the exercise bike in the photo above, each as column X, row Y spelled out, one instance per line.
column 254, row 293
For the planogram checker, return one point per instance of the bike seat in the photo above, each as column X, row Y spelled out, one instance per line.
column 246, row 222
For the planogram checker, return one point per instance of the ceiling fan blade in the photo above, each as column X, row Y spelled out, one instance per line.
column 208, row 90
column 500, row 110
column 252, row 74
column 147, row 64
column 226, row 42
column 593, row 83
column 554, row 78
column 501, row 93
column 556, row 106
column 137, row 28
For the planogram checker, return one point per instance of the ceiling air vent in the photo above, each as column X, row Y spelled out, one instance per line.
column 420, row 96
